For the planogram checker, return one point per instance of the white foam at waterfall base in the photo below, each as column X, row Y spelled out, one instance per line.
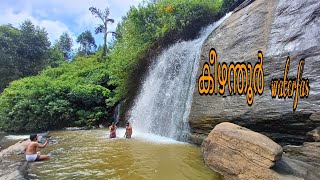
column 147, row 137
column 17, row 137
column 164, row 103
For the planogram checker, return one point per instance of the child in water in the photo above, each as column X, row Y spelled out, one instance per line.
column 113, row 130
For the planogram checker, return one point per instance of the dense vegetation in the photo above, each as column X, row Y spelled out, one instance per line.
column 69, row 95
column 84, row 91
column 23, row 52
column 145, row 25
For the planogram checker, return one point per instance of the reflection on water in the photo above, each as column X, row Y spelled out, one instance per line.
column 91, row 155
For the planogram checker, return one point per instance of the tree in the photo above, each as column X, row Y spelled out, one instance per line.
column 69, row 95
column 8, row 54
column 103, row 28
column 23, row 52
column 65, row 45
column 56, row 56
column 33, row 49
column 87, row 43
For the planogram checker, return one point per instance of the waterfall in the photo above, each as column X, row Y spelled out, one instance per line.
column 116, row 113
column 164, row 102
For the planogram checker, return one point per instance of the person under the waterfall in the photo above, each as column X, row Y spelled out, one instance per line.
column 113, row 130
column 128, row 131
column 31, row 150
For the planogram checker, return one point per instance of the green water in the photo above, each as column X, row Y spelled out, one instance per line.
column 91, row 155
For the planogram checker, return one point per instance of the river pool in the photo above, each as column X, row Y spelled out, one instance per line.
column 89, row 154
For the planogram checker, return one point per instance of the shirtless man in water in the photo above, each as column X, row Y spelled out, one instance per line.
column 31, row 150
column 128, row 131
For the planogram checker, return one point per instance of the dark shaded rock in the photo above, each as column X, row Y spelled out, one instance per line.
column 2, row 135
column 308, row 152
column 288, row 168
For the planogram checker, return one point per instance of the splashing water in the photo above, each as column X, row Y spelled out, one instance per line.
column 164, row 103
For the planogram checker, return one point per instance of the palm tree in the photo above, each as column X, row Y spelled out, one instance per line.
column 103, row 28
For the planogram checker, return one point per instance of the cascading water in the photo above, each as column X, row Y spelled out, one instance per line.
column 164, row 102
column 116, row 113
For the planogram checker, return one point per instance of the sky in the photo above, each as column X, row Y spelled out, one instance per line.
column 58, row 16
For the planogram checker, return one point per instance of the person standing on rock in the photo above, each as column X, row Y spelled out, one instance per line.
column 31, row 150
column 113, row 130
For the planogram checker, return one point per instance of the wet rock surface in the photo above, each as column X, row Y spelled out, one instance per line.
column 12, row 161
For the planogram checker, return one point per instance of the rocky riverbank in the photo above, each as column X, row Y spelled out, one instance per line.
column 239, row 153
column 12, row 161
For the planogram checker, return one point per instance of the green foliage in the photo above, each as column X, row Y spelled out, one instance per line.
column 69, row 95
column 8, row 55
column 87, row 42
column 56, row 56
column 65, row 45
column 147, row 24
column 33, row 49
column 23, row 52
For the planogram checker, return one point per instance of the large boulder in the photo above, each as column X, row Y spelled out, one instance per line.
column 239, row 153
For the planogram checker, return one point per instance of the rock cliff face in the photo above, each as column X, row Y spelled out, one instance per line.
column 279, row 29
